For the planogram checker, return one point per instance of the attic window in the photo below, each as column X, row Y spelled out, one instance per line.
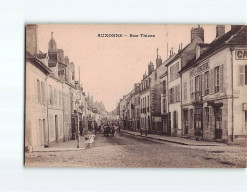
column 198, row 52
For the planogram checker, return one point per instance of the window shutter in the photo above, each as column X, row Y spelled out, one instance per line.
column 202, row 85
column 43, row 92
column 179, row 93
column 211, row 81
column 221, row 78
column 35, row 91
column 241, row 75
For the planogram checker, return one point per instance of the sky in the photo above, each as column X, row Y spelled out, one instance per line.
column 109, row 66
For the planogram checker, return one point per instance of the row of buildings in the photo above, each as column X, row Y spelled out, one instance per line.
column 200, row 92
column 56, row 107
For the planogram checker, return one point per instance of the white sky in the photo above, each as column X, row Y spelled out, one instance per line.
column 110, row 66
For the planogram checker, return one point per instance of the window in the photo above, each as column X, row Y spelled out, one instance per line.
column 164, row 105
column 245, row 120
column 206, row 84
column 148, row 104
column 245, row 74
column 39, row 92
column 185, row 91
column 50, row 95
column 217, row 79
column 43, row 92
column 174, row 71
column 164, row 87
column 198, row 83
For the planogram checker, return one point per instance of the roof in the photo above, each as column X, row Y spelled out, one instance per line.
column 41, row 55
column 37, row 62
column 236, row 36
column 182, row 51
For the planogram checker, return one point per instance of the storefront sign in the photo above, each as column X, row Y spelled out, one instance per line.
column 199, row 69
column 241, row 54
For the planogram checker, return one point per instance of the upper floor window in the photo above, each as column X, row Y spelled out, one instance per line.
column 217, row 79
column 206, row 84
column 242, row 75
column 50, row 95
column 164, row 87
column 174, row 71
column 185, row 90
column 39, row 91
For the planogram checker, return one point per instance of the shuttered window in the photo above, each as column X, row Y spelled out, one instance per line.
column 43, row 92
column 185, row 90
column 217, row 79
column 39, row 91
column 245, row 74
column 206, row 84
column 164, row 87
column 211, row 81
column 241, row 76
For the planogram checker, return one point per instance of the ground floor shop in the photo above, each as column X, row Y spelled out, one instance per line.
column 211, row 120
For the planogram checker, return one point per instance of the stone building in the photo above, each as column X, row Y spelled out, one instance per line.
column 214, row 88
column 145, row 94
column 36, row 122
column 174, row 81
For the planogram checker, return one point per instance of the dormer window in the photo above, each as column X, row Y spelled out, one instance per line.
column 198, row 52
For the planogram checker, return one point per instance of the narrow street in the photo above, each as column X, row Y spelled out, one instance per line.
column 125, row 150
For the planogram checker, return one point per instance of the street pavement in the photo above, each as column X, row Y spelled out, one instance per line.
column 130, row 151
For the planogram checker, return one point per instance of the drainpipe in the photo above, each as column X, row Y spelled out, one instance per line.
column 48, row 130
column 232, row 50
column 63, row 111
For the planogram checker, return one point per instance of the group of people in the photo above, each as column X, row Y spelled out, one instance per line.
column 110, row 129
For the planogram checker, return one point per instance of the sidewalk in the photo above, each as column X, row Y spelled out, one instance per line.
column 177, row 140
column 70, row 145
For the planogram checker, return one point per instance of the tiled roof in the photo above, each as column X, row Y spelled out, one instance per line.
column 37, row 62
column 237, row 36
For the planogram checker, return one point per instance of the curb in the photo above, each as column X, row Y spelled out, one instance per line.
column 59, row 150
column 165, row 140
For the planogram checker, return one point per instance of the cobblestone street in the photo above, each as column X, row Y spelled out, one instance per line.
column 125, row 150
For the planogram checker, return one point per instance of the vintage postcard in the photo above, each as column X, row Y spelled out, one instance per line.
column 135, row 95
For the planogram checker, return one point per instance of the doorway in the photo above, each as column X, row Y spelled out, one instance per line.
column 198, row 122
column 218, row 122
column 186, row 127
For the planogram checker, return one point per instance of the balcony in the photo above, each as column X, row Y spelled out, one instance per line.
column 196, row 97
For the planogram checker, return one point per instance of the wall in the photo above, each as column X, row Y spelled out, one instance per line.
column 240, row 97
column 175, row 106
column 55, row 108
column 35, row 133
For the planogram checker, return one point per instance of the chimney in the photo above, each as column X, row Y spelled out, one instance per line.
column 31, row 38
column 66, row 60
column 197, row 32
column 60, row 55
column 235, row 27
column 158, row 59
column 150, row 67
column 220, row 30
